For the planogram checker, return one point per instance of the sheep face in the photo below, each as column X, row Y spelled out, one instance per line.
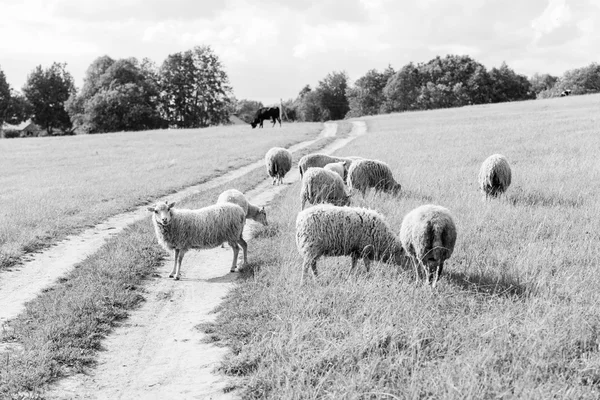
column 262, row 217
column 162, row 213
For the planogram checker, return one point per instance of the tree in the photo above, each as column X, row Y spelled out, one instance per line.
column 539, row 83
column 579, row 81
column 246, row 109
column 195, row 89
column 118, row 95
column 506, row 85
column 402, row 89
column 331, row 94
column 366, row 96
column 47, row 90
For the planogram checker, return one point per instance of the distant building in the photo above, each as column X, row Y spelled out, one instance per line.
column 24, row 129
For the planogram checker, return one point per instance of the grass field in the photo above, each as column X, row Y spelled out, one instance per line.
column 517, row 312
column 61, row 330
column 52, row 187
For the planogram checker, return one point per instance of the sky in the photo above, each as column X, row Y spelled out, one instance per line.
column 272, row 49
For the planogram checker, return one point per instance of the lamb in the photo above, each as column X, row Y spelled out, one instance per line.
column 322, row 186
column 279, row 163
column 494, row 176
column 204, row 228
column 364, row 174
column 252, row 212
column 428, row 235
column 328, row 230
column 339, row 168
column 319, row 160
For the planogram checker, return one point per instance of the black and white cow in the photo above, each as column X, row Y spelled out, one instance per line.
column 263, row 113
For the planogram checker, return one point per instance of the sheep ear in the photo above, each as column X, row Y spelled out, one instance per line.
column 171, row 204
column 151, row 209
column 262, row 210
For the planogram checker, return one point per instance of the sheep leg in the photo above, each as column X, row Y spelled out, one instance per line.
column 312, row 262
column 244, row 245
column 417, row 269
column 172, row 274
column 438, row 274
column 179, row 261
column 236, row 251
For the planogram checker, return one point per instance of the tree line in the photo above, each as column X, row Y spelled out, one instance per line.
column 191, row 89
column 443, row 82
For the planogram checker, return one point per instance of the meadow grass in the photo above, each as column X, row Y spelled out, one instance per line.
column 52, row 187
column 516, row 313
column 60, row 331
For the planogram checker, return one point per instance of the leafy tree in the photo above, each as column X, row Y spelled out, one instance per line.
column 579, row 81
column 366, row 96
column 246, row 109
column 14, row 108
column 195, row 89
column 402, row 89
column 506, row 85
column 331, row 95
column 543, row 82
column 118, row 95
column 47, row 90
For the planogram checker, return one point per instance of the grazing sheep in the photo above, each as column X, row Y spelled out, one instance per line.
column 279, row 163
column 365, row 174
column 328, row 230
column 494, row 175
column 339, row 168
column 252, row 212
column 318, row 160
column 428, row 235
column 204, row 228
column 322, row 186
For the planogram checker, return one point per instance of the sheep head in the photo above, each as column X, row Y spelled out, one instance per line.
column 162, row 212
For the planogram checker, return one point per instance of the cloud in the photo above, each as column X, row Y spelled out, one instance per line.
column 555, row 15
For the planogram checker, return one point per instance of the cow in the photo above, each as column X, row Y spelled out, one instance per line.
column 565, row 93
column 263, row 113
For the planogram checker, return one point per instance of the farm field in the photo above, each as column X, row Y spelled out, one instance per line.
column 61, row 331
column 517, row 311
column 52, row 187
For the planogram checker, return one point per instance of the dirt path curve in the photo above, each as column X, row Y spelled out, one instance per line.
column 24, row 282
column 158, row 353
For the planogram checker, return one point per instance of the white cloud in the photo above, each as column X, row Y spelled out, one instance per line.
column 555, row 15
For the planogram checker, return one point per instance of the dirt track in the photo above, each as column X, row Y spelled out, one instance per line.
column 157, row 353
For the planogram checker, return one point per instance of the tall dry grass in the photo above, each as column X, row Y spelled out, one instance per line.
column 517, row 312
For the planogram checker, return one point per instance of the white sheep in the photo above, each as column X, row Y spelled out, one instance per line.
column 319, row 160
column 279, row 163
column 322, row 186
column 494, row 175
column 339, row 168
column 182, row 229
column 252, row 212
column 364, row 174
column 328, row 230
column 428, row 235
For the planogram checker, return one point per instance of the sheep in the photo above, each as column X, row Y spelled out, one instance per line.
column 328, row 230
column 323, row 186
column 279, row 163
column 339, row 168
column 428, row 235
column 494, row 176
column 364, row 174
column 183, row 229
column 319, row 160
column 252, row 212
